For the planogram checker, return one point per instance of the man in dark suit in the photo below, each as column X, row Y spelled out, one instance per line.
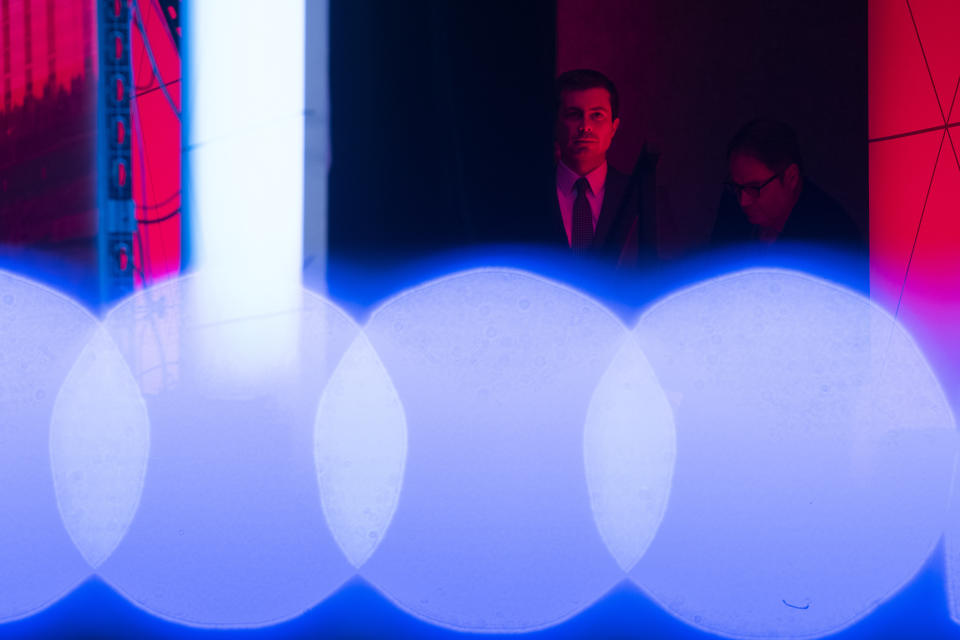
column 769, row 205
column 596, row 212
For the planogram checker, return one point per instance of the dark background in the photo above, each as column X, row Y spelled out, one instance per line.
column 441, row 122
column 442, row 112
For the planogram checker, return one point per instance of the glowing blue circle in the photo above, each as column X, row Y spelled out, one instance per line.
column 41, row 335
column 494, row 530
column 230, row 531
column 815, row 450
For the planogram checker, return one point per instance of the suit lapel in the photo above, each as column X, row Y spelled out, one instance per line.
column 557, row 234
column 613, row 197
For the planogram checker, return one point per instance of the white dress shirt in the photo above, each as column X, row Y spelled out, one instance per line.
column 567, row 194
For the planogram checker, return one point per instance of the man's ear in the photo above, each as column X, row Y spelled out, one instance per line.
column 791, row 176
column 616, row 125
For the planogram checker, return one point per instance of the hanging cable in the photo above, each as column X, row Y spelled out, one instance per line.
column 160, row 219
column 138, row 19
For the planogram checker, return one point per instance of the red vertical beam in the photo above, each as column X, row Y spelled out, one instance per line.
column 51, row 46
column 7, row 86
column 87, row 39
column 28, row 49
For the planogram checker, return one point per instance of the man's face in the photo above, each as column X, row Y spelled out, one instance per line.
column 765, row 196
column 585, row 127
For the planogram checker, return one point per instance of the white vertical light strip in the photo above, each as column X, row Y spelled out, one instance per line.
column 245, row 142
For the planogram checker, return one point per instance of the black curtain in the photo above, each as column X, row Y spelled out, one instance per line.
column 441, row 125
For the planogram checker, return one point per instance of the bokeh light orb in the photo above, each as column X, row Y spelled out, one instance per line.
column 814, row 455
column 230, row 530
column 495, row 529
column 41, row 335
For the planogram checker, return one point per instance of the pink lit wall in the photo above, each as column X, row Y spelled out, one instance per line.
column 43, row 43
column 48, row 211
column 915, row 173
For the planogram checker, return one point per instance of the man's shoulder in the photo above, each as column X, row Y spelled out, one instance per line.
column 616, row 188
column 616, row 177
column 818, row 215
column 815, row 198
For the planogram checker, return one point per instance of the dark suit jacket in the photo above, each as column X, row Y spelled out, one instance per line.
column 816, row 218
column 817, row 221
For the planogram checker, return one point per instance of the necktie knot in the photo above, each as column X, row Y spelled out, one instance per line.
column 582, row 186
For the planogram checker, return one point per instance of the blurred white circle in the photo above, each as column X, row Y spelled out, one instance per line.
column 230, row 530
column 41, row 335
column 495, row 528
column 814, row 455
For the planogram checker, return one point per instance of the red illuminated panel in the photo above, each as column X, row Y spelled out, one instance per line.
column 915, row 177
column 931, row 299
column 937, row 22
column 900, row 95
column 954, row 114
column 48, row 130
column 43, row 43
column 155, row 143
column 900, row 175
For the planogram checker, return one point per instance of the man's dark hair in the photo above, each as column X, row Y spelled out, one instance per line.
column 772, row 143
column 583, row 79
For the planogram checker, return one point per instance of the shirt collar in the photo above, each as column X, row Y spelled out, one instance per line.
column 567, row 177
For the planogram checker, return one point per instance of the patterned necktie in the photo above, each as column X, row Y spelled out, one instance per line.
column 582, row 235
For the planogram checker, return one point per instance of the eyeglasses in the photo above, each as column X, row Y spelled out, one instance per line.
column 752, row 190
